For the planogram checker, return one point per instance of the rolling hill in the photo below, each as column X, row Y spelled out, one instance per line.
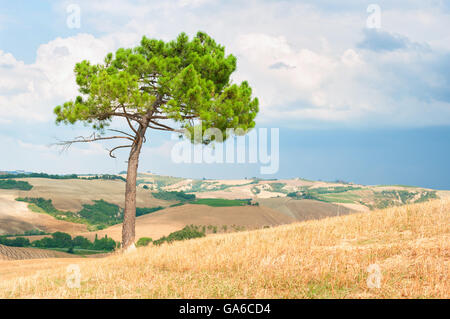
column 328, row 258
column 66, row 195
column 16, row 218
column 71, row 194
column 305, row 209
column 280, row 202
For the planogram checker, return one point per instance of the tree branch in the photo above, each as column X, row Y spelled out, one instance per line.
column 129, row 122
column 163, row 127
column 126, row 115
column 122, row 132
column 116, row 148
column 93, row 138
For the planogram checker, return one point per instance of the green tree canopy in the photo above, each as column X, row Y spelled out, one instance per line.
column 180, row 80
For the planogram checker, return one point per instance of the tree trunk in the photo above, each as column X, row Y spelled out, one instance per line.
column 129, row 215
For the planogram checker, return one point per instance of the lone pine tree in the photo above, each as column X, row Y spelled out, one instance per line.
column 158, row 85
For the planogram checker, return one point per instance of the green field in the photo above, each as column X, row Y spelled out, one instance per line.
column 346, row 197
column 97, row 216
column 159, row 180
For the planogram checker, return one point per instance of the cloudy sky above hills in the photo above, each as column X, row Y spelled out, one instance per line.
column 352, row 101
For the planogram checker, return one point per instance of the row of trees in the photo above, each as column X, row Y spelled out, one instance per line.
column 38, row 175
column 69, row 176
column 105, row 177
column 13, row 184
column 63, row 240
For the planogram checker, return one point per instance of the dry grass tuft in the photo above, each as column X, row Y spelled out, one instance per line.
column 314, row 259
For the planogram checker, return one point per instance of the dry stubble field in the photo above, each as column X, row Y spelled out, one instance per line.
column 326, row 258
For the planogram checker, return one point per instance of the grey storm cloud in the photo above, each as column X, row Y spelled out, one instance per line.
column 378, row 40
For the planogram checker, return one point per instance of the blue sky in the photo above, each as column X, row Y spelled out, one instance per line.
column 352, row 102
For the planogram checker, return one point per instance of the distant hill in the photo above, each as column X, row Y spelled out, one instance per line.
column 290, row 200
column 13, row 172
column 354, row 196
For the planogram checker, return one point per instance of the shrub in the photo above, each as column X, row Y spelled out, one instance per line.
column 104, row 244
column 62, row 240
column 187, row 232
column 179, row 196
column 82, row 242
column 16, row 242
column 144, row 241
column 13, row 184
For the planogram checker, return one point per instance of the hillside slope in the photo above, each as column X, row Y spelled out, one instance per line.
column 305, row 209
column 166, row 221
column 16, row 218
column 66, row 195
column 297, row 198
column 328, row 258
column 71, row 194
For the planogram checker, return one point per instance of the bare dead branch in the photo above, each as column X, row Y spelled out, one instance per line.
column 93, row 138
column 116, row 148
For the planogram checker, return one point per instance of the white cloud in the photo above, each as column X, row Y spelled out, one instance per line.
column 31, row 91
column 302, row 61
column 276, row 87
column 356, row 87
